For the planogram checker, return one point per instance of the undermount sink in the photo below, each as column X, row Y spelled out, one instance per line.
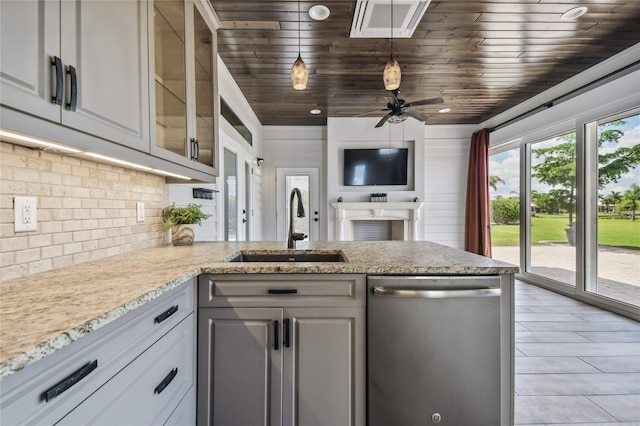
column 289, row 256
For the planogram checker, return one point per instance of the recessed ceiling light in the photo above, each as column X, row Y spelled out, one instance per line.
column 315, row 111
column 574, row 13
column 319, row 12
column 443, row 110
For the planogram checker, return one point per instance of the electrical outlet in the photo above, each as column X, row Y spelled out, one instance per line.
column 140, row 211
column 25, row 214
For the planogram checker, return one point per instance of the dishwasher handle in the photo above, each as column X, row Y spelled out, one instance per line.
column 435, row 294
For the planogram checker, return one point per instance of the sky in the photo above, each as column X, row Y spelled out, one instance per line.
column 506, row 164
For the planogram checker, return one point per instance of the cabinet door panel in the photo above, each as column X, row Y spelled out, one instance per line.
column 30, row 38
column 324, row 368
column 106, row 41
column 238, row 367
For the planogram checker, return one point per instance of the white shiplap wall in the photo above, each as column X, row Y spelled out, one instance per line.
column 446, row 159
column 289, row 147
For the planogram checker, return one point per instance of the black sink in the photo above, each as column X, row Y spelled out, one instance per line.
column 289, row 256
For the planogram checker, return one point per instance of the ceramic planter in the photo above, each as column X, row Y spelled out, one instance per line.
column 182, row 235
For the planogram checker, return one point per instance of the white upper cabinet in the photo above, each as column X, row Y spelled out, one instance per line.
column 185, row 101
column 83, row 64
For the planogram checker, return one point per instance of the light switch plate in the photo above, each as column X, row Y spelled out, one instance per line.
column 140, row 211
column 25, row 214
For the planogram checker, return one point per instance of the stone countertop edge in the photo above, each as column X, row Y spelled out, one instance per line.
column 147, row 274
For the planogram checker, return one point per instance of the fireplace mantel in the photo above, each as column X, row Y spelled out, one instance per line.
column 407, row 212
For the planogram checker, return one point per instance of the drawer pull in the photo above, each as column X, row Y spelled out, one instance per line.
column 70, row 381
column 165, row 382
column 166, row 314
column 283, row 291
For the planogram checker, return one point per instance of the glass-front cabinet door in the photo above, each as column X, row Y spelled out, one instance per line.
column 204, row 90
column 170, row 76
column 186, row 129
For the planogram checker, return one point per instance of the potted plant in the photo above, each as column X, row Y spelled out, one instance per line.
column 571, row 233
column 181, row 221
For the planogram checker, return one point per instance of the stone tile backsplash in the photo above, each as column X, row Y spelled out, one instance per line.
column 86, row 210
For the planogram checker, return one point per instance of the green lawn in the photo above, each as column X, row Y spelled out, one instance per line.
column 611, row 232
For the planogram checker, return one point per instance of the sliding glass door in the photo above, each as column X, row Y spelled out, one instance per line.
column 579, row 210
column 613, row 182
column 551, row 195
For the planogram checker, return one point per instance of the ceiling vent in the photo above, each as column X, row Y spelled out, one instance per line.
column 372, row 18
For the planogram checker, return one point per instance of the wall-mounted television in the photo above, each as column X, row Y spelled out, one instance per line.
column 382, row 166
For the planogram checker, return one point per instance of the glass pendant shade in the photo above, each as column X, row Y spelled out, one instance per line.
column 299, row 74
column 392, row 74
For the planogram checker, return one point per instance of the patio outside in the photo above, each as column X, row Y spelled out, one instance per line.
column 618, row 268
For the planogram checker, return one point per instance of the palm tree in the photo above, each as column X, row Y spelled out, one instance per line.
column 493, row 182
column 616, row 197
column 632, row 196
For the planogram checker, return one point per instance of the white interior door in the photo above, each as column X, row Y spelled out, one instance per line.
column 305, row 179
column 238, row 209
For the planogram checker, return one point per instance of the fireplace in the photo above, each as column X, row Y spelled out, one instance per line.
column 378, row 220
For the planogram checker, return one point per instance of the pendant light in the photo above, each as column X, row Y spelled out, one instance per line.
column 392, row 75
column 299, row 73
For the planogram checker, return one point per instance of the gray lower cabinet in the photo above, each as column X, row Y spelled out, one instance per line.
column 281, row 350
column 143, row 392
column 136, row 370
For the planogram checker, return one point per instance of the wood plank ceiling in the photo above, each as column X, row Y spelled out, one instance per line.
column 481, row 56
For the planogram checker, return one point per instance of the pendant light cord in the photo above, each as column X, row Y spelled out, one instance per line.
column 390, row 26
column 299, row 27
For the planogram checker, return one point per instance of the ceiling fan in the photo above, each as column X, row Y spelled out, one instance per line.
column 397, row 109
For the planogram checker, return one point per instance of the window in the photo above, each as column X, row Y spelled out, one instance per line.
column 234, row 120
column 504, row 193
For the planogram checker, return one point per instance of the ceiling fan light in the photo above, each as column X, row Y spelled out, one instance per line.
column 299, row 74
column 392, row 74
column 396, row 119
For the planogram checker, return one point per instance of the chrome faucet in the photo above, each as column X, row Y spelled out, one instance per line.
column 295, row 236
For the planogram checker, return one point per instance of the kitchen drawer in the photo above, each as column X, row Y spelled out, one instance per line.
column 282, row 290
column 111, row 348
column 148, row 390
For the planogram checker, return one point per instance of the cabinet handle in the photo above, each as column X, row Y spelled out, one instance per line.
column 282, row 291
column 287, row 333
column 70, row 381
column 197, row 151
column 166, row 314
column 276, row 335
column 57, row 99
column 165, row 382
column 194, row 149
column 71, row 106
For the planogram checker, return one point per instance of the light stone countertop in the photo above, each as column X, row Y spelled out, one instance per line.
column 45, row 312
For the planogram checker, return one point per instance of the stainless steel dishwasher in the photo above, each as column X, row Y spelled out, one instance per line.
column 433, row 349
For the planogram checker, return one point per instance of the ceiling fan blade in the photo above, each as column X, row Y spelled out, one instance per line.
column 384, row 120
column 371, row 112
column 425, row 102
column 416, row 115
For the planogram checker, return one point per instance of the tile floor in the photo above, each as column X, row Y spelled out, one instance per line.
column 575, row 364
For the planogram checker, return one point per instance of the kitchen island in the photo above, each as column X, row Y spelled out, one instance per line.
column 44, row 313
